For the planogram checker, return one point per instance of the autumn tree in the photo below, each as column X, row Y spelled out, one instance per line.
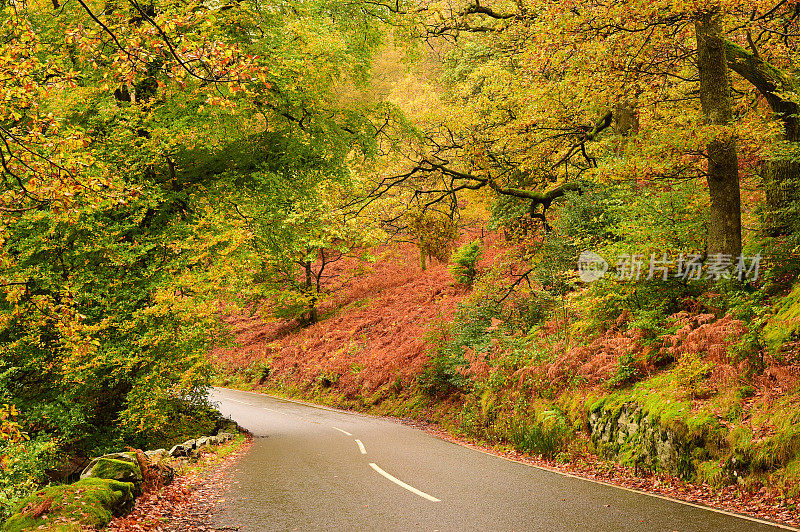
column 293, row 242
column 106, row 315
column 118, row 122
column 536, row 89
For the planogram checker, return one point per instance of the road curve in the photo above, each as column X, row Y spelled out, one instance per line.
column 314, row 468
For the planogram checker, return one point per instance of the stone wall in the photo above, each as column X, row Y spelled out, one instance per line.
column 635, row 438
column 107, row 487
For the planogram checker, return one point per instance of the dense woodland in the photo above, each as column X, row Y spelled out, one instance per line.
column 391, row 199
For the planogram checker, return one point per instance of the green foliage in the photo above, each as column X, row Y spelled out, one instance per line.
column 620, row 220
column 294, row 240
column 554, row 264
column 257, row 371
column 626, row 371
column 120, row 195
column 442, row 376
column 109, row 323
column 23, row 470
column 506, row 213
column 183, row 420
column 528, row 309
column 445, row 371
column 657, row 219
column 326, row 379
column 591, row 218
column 465, row 261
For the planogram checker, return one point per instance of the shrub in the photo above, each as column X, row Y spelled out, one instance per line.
column 528, row 308
column 785, row 325
column 326, row 379
column 447, row 370
column 465, row 261
column 187, row 419
column 441, row 376
column 23, row 470
column 257, row 371
column 626, row 372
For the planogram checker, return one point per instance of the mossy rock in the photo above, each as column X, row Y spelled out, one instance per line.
column 114, row 469
column 90, row 503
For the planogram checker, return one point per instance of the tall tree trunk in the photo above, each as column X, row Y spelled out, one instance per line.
column 725, row 229
column 781, row 181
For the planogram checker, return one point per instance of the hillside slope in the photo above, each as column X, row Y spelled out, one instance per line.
column 678, row 406
column 371, row 334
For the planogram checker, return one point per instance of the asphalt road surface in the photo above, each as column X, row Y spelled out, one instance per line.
column 313, row 468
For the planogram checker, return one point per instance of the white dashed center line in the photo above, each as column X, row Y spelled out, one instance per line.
column 402, row 484
column 361, row 447
column 342, row 431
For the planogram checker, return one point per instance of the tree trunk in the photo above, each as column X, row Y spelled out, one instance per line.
column 781, row 178
column 626, row 117
column 311, row 316
column 725, row 228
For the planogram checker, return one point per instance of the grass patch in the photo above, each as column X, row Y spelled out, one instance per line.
column 536, row 438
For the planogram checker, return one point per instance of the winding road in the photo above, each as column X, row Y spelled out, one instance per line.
column 316, row 468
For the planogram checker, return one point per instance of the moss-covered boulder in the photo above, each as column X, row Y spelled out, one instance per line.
column 87, row 504
column 114, row 469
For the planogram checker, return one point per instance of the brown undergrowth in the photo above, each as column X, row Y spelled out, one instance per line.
column 375, row 338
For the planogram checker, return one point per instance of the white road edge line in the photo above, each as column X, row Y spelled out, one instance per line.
column 744, row 517
column 241, row 402
column 342, row 431
column 310, row 405
column 361, row 447
column 402, row 484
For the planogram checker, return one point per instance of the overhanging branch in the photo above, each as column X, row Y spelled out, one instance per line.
column 770, row 82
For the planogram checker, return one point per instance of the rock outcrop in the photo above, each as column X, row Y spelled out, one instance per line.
column 633, row 437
